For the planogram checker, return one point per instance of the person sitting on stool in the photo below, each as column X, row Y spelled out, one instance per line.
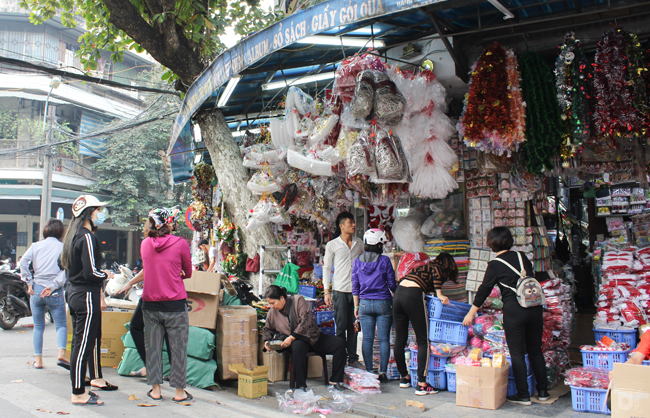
column 301, row 335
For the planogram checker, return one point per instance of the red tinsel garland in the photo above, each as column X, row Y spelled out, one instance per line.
column 615, row 114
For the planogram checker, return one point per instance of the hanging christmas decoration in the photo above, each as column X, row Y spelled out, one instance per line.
column 572, row 84
column 621, row 109
column 544, row 128
column 493, row 116
column 202, row 182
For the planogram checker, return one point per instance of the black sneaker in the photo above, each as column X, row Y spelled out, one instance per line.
column 516, row 399
column 425, row 390
column 542, row 395
column 383, row 378
column 405, row 382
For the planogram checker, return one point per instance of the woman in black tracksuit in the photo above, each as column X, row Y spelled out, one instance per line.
column 523, row 326
column 81, row 258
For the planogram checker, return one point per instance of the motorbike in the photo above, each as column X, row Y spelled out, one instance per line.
column 14, row 299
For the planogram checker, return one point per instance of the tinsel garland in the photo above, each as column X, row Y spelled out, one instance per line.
column 544, row 128
column 572, row 78
column 621, row 109
column 202, row 183
column 492, row 118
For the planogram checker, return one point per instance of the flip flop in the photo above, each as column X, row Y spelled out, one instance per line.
column 93, row 400
column 188, row 398
column 107, row 387
column 64, row 364
column 37, row 367
column 138, row 374
column 155, row 399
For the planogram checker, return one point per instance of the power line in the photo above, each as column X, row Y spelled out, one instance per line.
column 20, row 63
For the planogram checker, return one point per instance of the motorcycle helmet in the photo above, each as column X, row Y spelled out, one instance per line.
column 374, row 236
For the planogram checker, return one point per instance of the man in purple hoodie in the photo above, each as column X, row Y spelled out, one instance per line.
column 373, row 281
column 166, row 263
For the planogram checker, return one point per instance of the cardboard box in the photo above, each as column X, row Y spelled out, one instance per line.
column 275, row 362
column 314, row 367
column 631, row 391
column 203, row 298
column 113, row 328
column 237, row 338
column 252, row 384
column 481, row 387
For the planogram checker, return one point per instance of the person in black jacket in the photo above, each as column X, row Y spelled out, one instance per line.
column 523, row 326
column 81, row 258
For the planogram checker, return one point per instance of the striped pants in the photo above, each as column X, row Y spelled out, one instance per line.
column 177, row 327
column 86, row 316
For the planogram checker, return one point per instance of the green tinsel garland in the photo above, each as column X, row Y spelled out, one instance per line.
column 544, row 127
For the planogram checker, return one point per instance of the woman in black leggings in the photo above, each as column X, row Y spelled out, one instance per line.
column 523, row 326
column 409, row 305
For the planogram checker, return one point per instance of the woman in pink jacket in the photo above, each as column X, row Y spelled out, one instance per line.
column 166, row 263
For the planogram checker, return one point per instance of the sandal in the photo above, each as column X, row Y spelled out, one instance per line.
column 93, row 400
column 155, row 399
column 188, row 398
column 107, row 387
column 138, row 374
column 64, row 364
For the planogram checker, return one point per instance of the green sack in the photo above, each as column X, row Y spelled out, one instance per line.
column 201, row 373
column 200, row 344
column 288, row 278
column 230, row 300
column 131, row 362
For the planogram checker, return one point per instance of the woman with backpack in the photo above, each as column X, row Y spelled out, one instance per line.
column 523, row 325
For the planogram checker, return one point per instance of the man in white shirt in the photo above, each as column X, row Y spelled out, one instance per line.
column 213, row 255
column 340, row 252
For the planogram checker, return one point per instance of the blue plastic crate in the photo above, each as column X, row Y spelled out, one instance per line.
column 447, row 331
column 451, row 380
column 454, row 311
column 324, row 316
column 646, row 363
column 603, row 359
column 529, row 366
column 307, row 291
column 589, row 400
column 512, row 386
column 438, row 378
column 328, row 330
column 620, row 336
column 435, row 362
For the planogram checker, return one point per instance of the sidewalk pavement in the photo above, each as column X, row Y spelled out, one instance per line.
column 27, row 392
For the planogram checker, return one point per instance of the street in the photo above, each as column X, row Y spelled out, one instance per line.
column 28, row 392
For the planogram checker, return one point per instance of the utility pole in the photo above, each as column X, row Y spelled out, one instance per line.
column 46, row 189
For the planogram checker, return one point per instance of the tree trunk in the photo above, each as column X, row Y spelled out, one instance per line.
column 233, row 177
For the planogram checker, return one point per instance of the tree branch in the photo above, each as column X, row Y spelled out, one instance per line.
column 166, row 43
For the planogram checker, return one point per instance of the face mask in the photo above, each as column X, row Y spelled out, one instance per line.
column 101, row 217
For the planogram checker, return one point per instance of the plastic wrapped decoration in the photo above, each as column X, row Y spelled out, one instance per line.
column 311, row 162
column 347, row 137
column 364, row 93
column 406, row 232
column 323, row 126
column 346, row 75
column 262, row 182
column 299, row 100
column 279, row 133
column 359, row 158
column 389, row 158
column 262, row 155
column 389, row 103
column 260, row 214
column 587, row 377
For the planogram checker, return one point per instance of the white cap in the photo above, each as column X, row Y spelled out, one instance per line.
column 86, row 201
column 374, row 236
